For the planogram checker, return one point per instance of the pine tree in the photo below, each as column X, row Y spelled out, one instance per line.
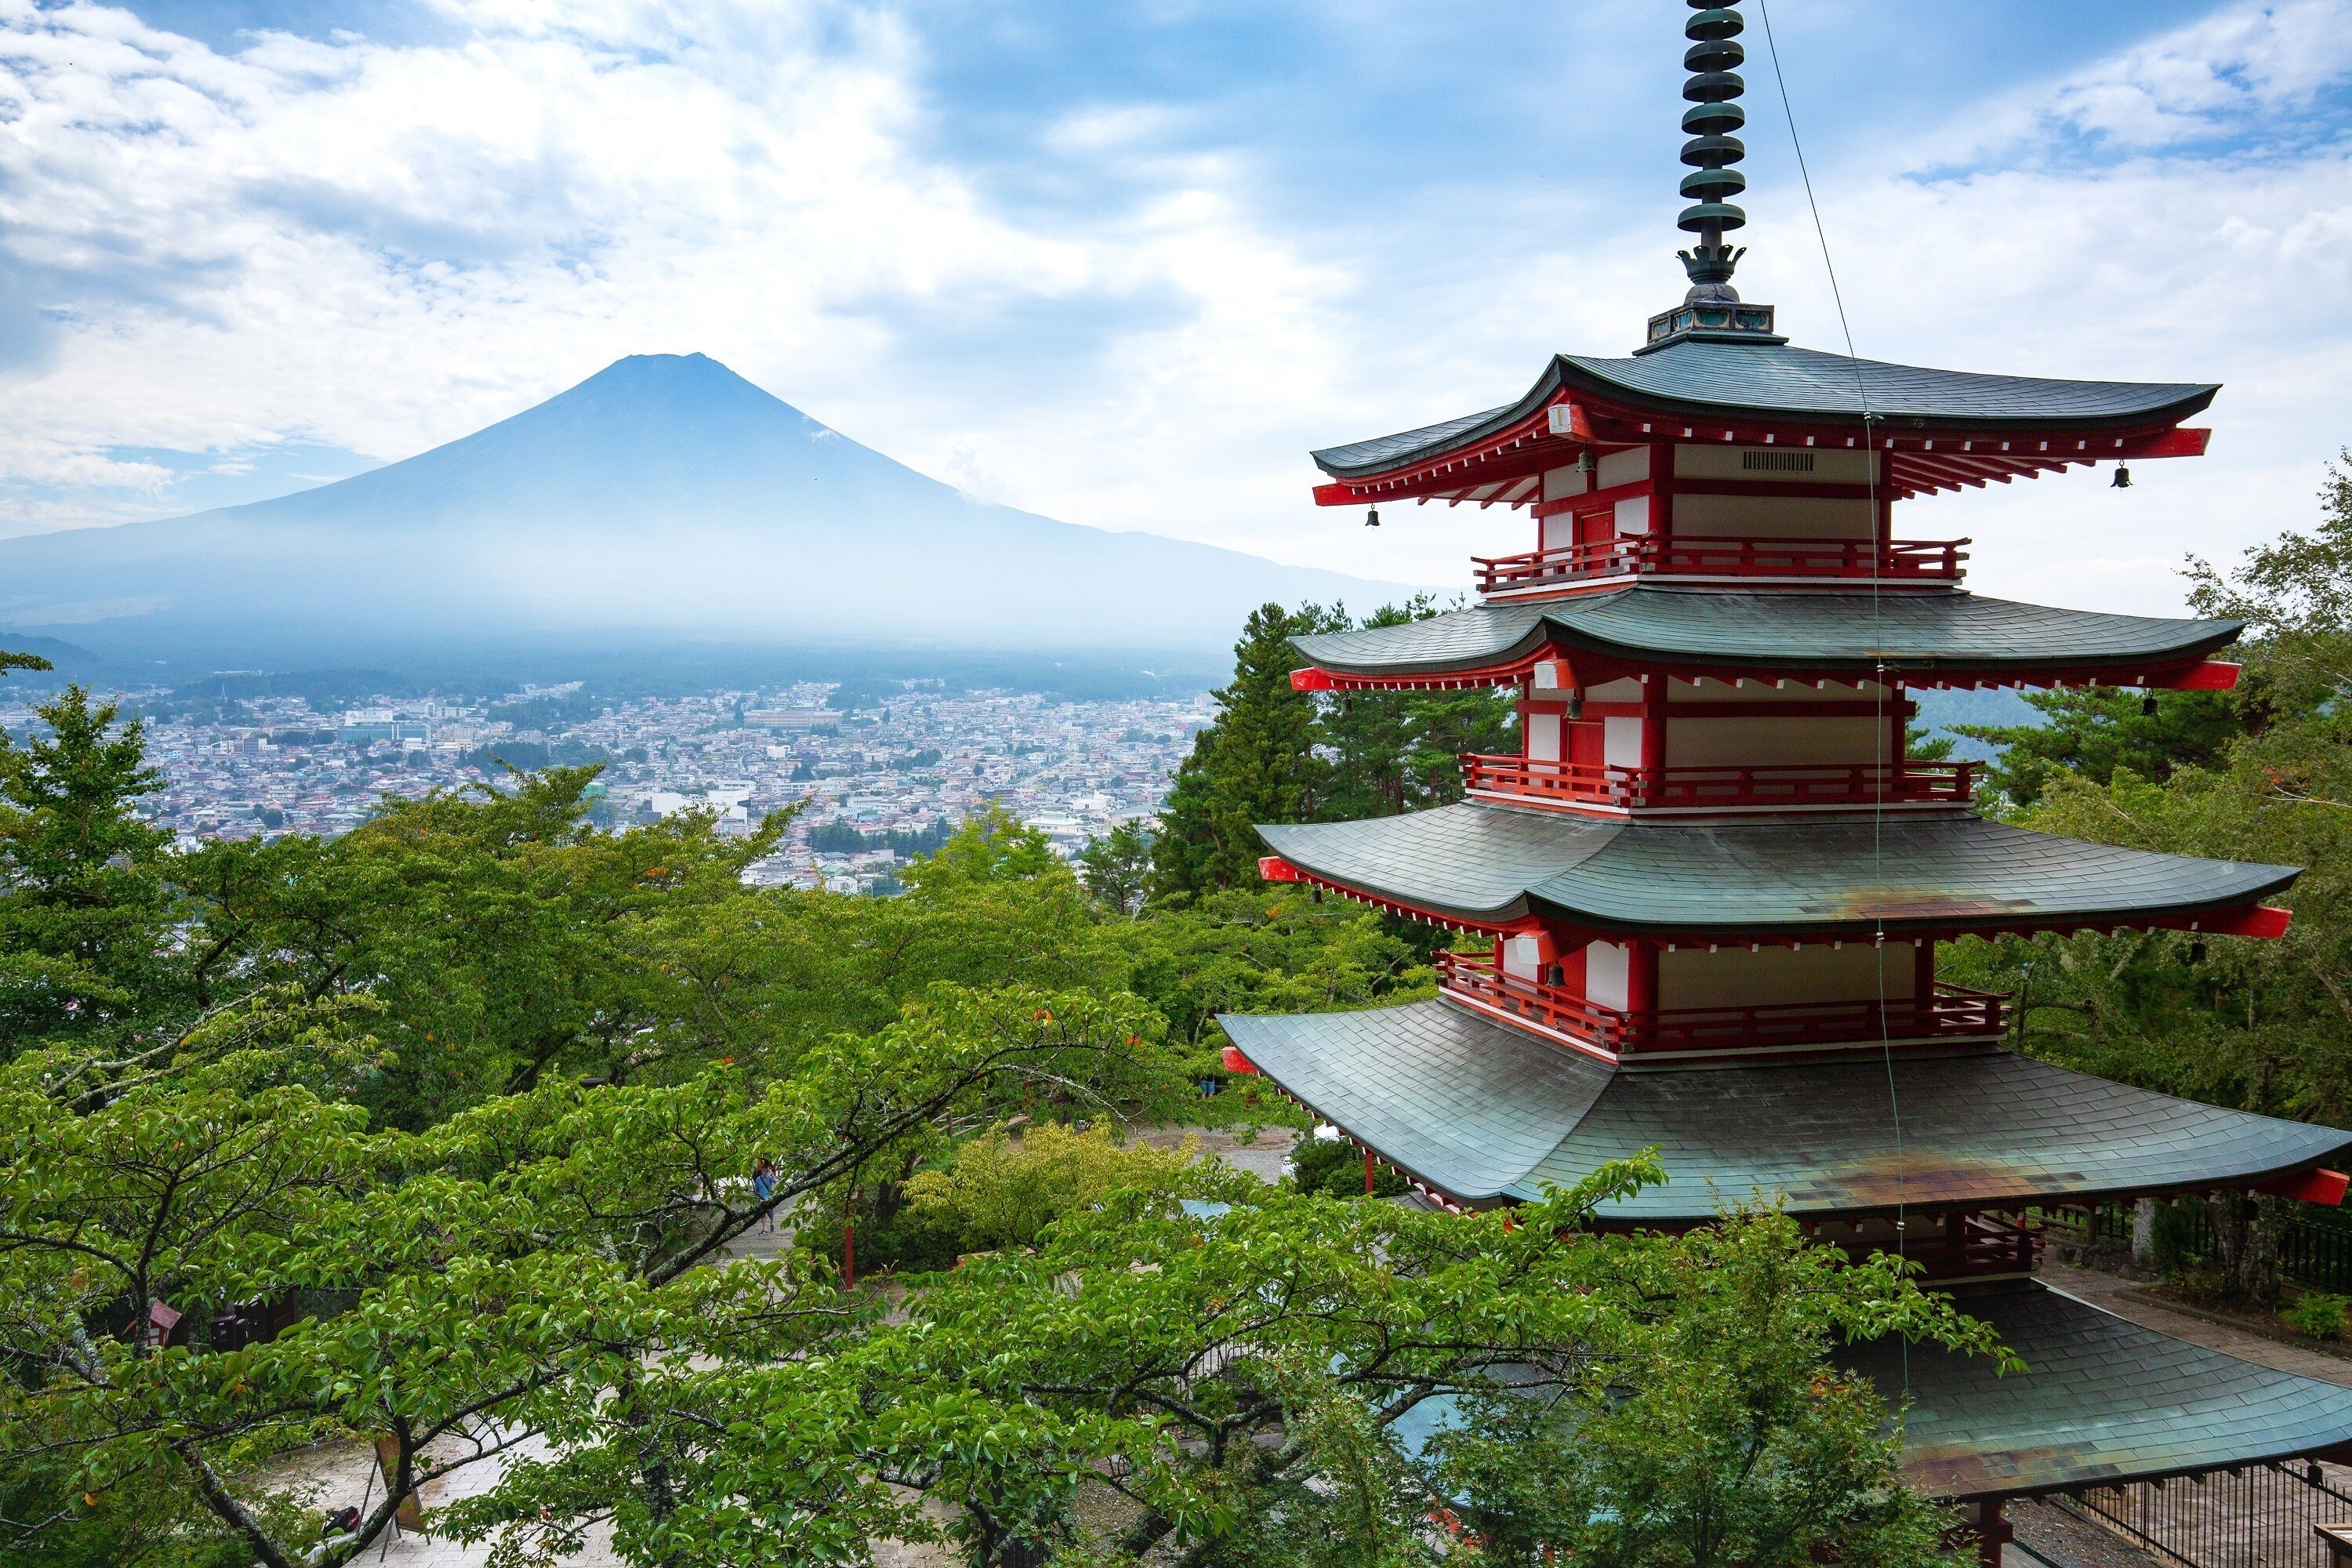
column 1117, row 868
column 1393, row 752
column 86, row 910
column 1257, row 762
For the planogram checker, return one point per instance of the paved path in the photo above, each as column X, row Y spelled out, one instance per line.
column 1261, row 1156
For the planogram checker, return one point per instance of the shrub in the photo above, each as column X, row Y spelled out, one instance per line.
column 1001, row 1190
column 2318, row 1314
column 1335, row 1168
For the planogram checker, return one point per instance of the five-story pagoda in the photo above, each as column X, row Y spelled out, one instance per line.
column 1715, row 883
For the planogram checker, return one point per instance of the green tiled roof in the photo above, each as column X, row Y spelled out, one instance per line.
column 2101, row 1400
column 1914, row 633
column 1827, row 877
column 1727, row 380
column 1483, row 1112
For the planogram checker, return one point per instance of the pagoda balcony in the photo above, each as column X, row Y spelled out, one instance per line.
column 1953, row 1012
column 1685, row 555
column 1964, row 1246
column 1759, row 787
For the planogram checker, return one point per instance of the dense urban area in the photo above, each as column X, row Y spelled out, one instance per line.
column 884, row 772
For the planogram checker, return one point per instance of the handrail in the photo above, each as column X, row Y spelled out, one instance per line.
column 1951, row 1010
column 1909, row 781
column 1727, row 555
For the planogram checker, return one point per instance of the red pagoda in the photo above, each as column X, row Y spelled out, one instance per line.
column 1714, row 882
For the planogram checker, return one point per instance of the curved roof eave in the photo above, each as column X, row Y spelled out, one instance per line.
column 2168, row 405
column 1487, row 865
column 1927, row 635
column 1483, row 1112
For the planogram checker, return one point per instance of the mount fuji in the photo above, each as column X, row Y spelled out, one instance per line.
column 664, row 497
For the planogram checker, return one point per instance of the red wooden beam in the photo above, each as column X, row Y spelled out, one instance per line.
column 1312, row 680
column 2255, row 920
column 2213, row 675
column 1274, row 869
column 1237, row 1063
column 2326, row 1188
column 2178, row 442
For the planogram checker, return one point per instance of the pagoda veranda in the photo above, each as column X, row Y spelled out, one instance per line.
column 1708, row 884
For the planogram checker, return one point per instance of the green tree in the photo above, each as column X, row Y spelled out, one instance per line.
column 1393, row 752
column 533, row 1267
column 1256, row 763
column 87, row 909
column 2095, row 733
column 1269, row 950
column 994, row 846
column 1300, row 1450
column 1116, row 869
column 502, row 930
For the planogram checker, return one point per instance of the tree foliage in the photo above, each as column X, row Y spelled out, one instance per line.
column 474, row 1095
column 1275, row 754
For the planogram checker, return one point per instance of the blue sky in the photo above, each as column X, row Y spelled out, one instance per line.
column 1123, row 264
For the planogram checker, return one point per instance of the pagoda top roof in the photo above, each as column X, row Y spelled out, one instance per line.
column 1936, row 635
column 1483, row 1112
column 2101, row 1400
column 1489, row 867
column 1768, row 383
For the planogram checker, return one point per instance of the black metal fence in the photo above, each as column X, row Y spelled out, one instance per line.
column 2261, row 1516
column 2314, row 1254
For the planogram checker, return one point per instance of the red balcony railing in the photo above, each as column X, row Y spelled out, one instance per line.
column 1951, row 1012
column 1763, row 786
column 1919, row 561
column 1967, row 1246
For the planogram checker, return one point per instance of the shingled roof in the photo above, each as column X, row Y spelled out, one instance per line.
column 1827, row 878
column 2100, row 1400
column 1751, row 381
column 1918, row 635
column 1483, row 1112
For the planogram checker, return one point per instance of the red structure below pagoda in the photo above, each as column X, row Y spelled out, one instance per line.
column 1710, row 885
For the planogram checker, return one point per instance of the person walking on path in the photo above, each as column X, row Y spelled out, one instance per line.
column 763, row 1186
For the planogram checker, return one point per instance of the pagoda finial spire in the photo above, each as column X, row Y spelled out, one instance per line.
column 1712, row 309
column 1713, row 92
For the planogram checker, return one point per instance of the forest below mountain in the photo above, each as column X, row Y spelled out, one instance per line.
column 462, row 1137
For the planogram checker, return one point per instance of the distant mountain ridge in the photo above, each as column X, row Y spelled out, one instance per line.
column 665, row 495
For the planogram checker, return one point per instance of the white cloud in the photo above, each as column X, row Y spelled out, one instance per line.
column 380, row 248
column 2246, row 60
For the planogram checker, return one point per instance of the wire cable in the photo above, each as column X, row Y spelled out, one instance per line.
column 1878, row 724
